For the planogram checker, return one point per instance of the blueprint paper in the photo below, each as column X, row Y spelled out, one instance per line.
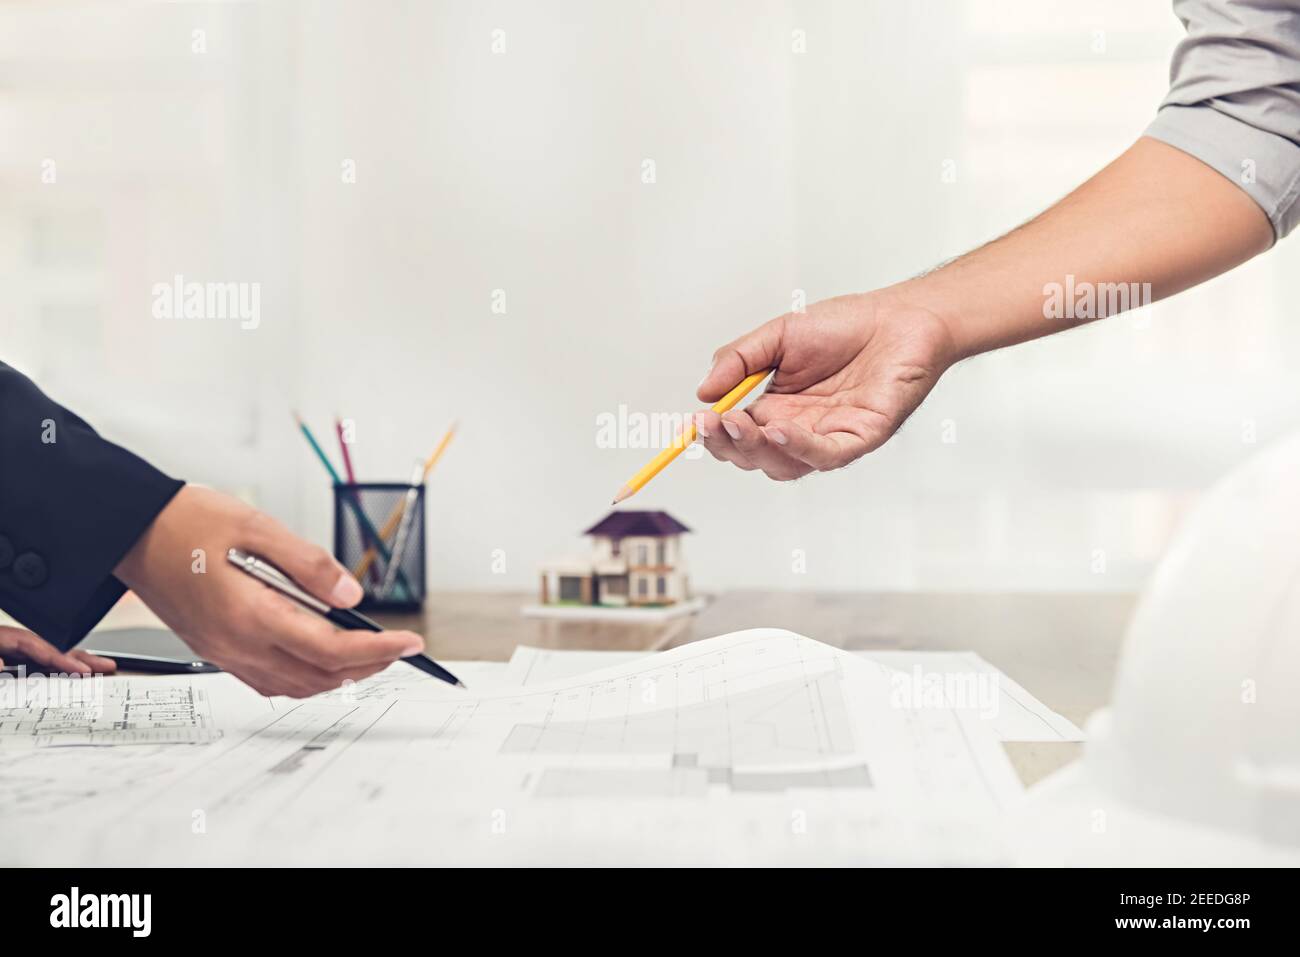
column 1018, row 716
column 45, row 712
column 757, row 747
column 402, row 681
column 40, row 711
column 1014, row 715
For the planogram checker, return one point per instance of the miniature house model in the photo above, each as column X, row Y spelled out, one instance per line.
column 636, row 559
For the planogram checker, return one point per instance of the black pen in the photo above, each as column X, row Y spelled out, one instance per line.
column 343, row 617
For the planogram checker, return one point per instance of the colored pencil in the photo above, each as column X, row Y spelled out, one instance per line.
column 395, row 516
column 367, row 526
column 347, row 455
column 352, row 479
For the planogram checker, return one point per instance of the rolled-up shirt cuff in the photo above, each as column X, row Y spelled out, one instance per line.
column 1266, row 166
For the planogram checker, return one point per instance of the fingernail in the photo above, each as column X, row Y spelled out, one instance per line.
column 699, row 427
column 777, row 436
column 733, row 430
column 346, row 591
column 414, row 648
column 706, row 375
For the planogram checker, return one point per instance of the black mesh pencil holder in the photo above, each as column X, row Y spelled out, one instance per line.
column 377, row 525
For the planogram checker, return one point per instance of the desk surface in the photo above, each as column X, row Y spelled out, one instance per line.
column 1061, row 647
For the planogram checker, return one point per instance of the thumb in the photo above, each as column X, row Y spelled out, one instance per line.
column 309, row 565
column 752, row 352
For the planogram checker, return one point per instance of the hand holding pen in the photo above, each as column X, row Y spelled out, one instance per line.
column 343, row 617
column 178, row 568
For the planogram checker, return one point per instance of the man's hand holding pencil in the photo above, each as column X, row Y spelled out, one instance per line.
column 848, row 373
column 844, row 377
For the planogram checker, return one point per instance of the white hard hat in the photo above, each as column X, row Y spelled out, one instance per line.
column 1198, row 757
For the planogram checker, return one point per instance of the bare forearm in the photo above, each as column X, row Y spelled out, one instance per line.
column 1156, row 220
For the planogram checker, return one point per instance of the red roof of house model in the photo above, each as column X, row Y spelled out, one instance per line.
column 623, row 524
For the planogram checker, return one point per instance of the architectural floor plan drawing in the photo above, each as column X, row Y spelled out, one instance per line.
column 800, row 725
column 1016, row 715
column 761, row 744
column 52, row 712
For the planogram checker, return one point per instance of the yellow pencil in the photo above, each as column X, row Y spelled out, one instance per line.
column 395, row 516
column 660, row 461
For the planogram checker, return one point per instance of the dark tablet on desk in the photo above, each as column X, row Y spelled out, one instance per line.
column 155, row 650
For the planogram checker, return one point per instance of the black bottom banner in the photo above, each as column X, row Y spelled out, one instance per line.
column 330, row 907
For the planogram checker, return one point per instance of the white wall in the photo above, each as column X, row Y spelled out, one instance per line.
column 521, row 171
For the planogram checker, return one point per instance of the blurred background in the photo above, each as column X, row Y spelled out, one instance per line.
column 525, row 215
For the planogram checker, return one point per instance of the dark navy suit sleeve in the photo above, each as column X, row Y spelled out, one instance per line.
column 71, row 506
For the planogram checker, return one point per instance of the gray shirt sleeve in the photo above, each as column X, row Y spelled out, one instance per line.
column 1234, row 98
